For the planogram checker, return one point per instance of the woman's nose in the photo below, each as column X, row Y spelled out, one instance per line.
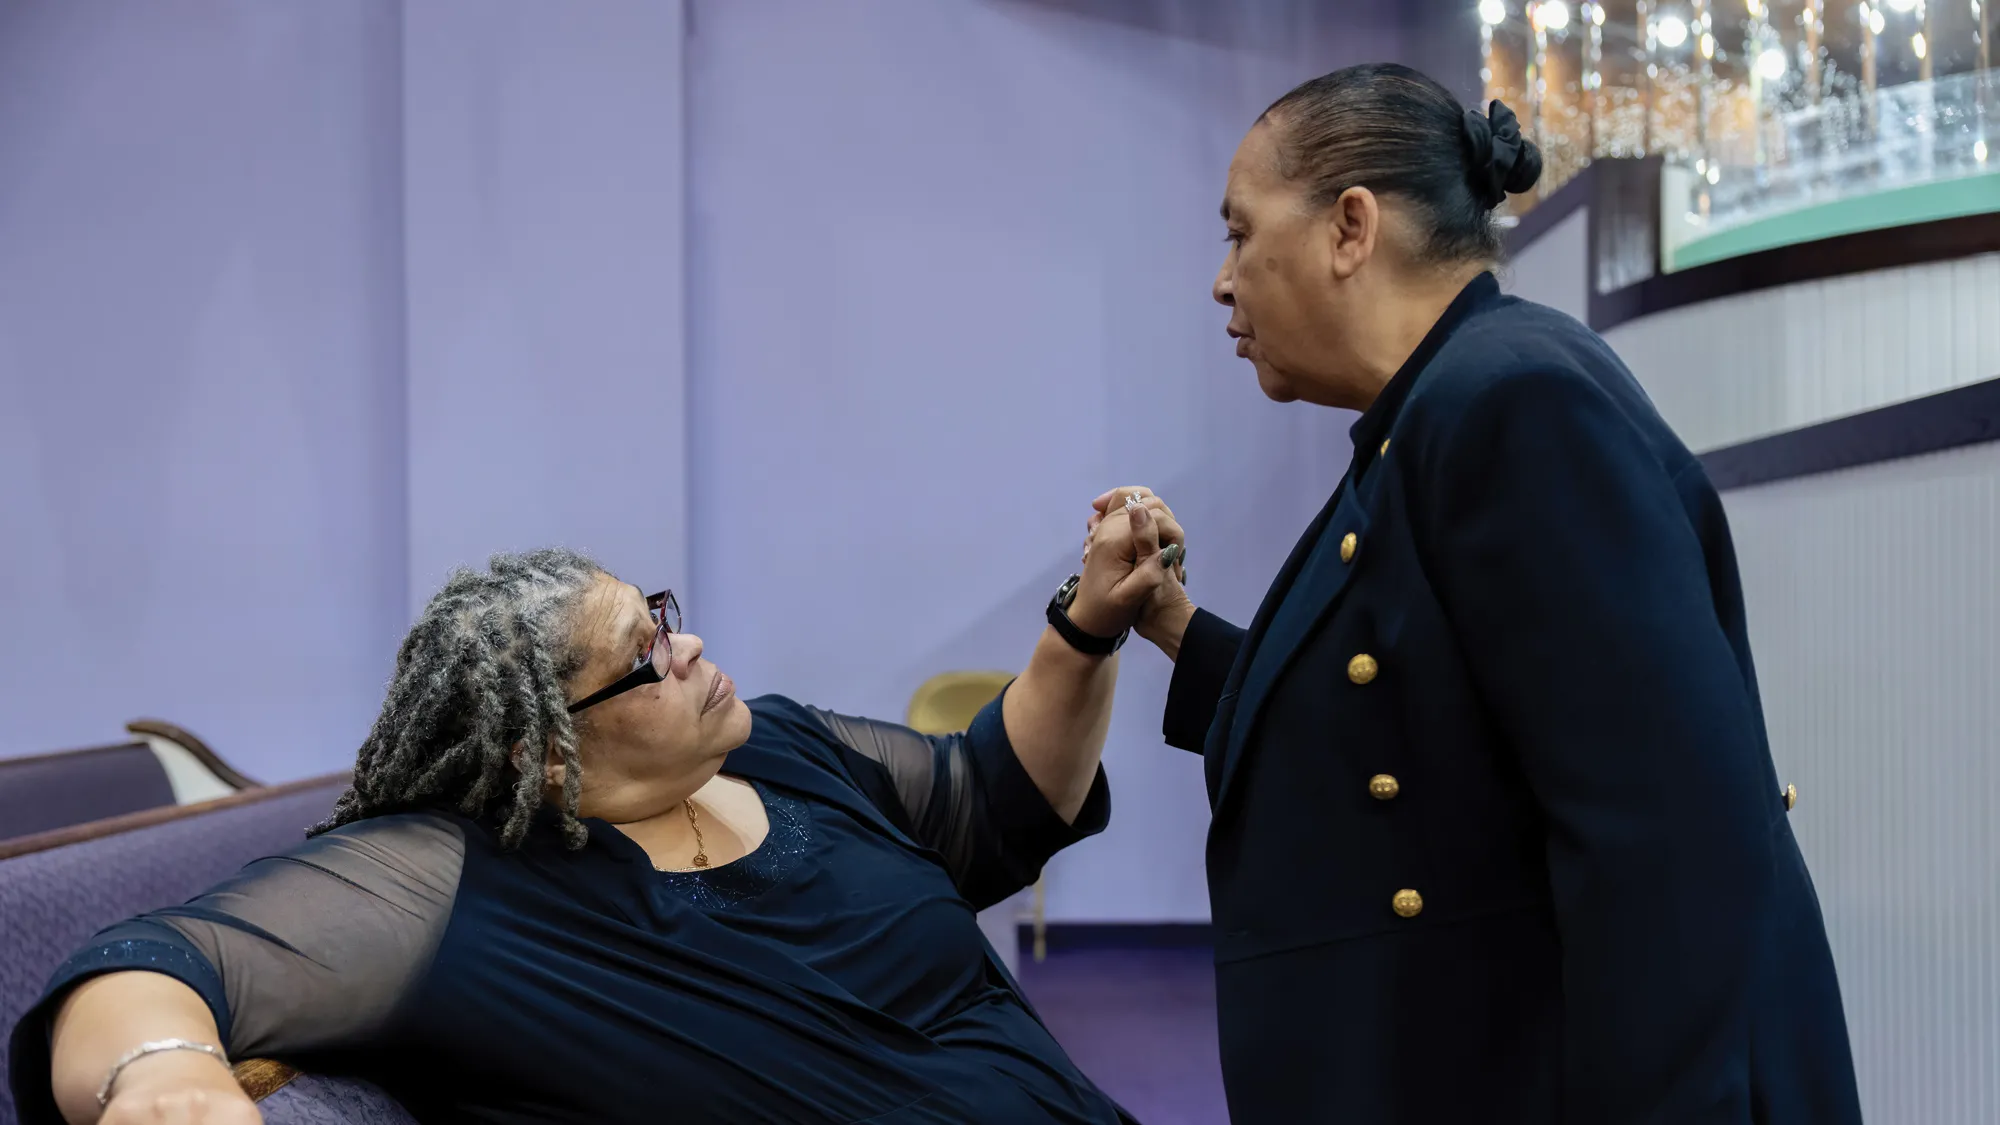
column 687, row 650
column 1224, row 290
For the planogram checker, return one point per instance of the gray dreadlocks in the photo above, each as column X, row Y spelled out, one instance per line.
column 481, row 672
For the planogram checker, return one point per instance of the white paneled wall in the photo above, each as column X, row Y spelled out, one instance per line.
column 1874, row 601
column 1742, row 367
column 1875, row 618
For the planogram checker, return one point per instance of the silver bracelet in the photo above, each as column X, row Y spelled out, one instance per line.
column 153, row 1048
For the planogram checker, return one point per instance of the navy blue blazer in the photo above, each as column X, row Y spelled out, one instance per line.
column 1497, row 836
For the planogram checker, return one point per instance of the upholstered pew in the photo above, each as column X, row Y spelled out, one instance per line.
column 57, row 888
column 162, row 764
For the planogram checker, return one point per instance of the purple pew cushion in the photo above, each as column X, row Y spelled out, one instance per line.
column 312, row 1099
column 52, row 901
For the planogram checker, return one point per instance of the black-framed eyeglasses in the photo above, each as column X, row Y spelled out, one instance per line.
column 652, row 665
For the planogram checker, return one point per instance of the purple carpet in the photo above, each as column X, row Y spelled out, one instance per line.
column 1141, row 1024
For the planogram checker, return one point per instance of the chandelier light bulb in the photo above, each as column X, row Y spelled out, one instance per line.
column 1493, row 12
column 1771, row 64
column 1672, row 31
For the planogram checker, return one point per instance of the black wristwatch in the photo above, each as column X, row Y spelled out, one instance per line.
column 1090, row 644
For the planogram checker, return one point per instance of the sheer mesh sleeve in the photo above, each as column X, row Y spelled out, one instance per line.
column 306, row 951
column 966, row 796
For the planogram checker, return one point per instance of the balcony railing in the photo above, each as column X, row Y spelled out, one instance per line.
column 1902, row 136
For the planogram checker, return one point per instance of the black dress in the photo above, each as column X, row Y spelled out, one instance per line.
column 836, row 973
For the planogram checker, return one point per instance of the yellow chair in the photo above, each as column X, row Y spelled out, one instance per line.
column 948, row 702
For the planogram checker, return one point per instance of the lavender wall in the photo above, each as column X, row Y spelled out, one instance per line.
column 308, row 305
column 542, row 222
column 201, row 413
column 949, row 267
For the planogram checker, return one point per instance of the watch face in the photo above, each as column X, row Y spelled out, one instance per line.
column 1067, row 593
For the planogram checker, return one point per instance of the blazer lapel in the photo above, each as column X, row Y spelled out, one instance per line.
column 1269, row 650
column 1216, row 751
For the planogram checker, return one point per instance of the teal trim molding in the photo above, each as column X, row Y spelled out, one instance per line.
column 1879, row 210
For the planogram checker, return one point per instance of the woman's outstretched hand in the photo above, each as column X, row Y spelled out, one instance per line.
column 1058, row 712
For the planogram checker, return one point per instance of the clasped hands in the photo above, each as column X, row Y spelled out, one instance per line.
column 1124, row 584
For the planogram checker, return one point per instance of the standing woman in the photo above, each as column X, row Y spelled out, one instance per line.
column 1497, row 835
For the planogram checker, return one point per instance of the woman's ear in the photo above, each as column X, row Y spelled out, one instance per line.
column 553, row 768
column 1353, row 224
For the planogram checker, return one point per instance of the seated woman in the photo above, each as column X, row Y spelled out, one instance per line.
column 575, row 879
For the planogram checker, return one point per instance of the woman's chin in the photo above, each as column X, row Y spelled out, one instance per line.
column 731, row 723
column 1273, row 383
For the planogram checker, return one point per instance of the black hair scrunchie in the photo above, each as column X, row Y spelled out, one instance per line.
column 1502, row 161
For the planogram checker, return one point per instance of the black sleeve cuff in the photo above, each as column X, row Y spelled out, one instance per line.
column 1027, row 821
column 1208, row 651
column 135, row 945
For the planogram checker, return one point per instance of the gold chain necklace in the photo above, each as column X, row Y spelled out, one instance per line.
column 700, row 849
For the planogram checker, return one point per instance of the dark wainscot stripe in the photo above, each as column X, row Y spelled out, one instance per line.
column 1116, row 935
column 1939, row 240
column 1623, row 197
column 1964, row 415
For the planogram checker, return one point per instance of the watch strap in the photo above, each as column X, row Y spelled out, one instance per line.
column 1090, row 644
